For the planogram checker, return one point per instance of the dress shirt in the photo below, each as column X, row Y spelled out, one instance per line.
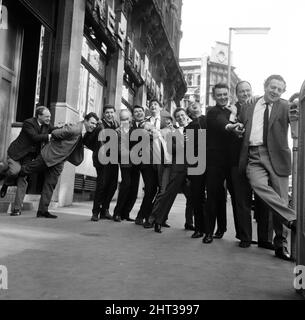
column 256, row 134
column 156, row 121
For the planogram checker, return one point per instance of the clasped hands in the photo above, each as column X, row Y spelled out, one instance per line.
column 237, row 128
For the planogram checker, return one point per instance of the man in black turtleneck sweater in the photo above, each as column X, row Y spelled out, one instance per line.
column 222, row 153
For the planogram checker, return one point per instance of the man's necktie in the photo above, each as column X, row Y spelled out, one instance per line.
column 156, row 122
column 266, row 121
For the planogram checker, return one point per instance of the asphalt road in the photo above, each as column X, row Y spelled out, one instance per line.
column 74, row 258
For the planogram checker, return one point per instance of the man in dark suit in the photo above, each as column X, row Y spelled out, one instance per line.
column 65, row 144
column 266, row 157
column 174, row 173
column 35, row 133
column 198, row 181
column 107, row 174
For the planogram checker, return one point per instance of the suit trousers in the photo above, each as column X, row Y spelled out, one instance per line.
column 165, row 198
column 12, row 178
column 263, row 216
column 198, row 188
column 242, row 212
column 128, row 191
column 272, row 189
column 106, row 185
column 150, row 178
column 216, row 199
column 51, row 175
column 189, row 210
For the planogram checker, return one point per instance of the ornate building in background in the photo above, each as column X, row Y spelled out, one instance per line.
column 201, row 74
column 75, row 56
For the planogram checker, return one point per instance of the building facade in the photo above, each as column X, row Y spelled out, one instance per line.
column 201, row 74
column 75, row 56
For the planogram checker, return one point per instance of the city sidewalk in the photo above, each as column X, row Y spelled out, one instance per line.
column 74, row 258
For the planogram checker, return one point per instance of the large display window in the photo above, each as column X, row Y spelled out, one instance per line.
column 92, row 79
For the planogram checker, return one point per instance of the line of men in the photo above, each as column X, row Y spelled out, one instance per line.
column 246, row 146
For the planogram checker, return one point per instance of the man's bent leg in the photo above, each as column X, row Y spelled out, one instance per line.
column 50, row 180
column 259, row 180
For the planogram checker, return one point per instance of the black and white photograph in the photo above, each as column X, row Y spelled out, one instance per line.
column 152, row 153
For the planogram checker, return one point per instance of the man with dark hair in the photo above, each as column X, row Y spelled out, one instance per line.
column 266, row 158
column 198, row 181
column 35, row 133
column 66, row 144
column 150, row 171
column 174, row 175
column 107, row 174
column 222, row 157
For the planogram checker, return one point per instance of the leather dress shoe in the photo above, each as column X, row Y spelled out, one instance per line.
column 94, row 217
column 117, row 218
column 45, row 215
column 165, row 225
column 139, row 221
column 208, row 238
column 292, row 225
column 283, row 253
column 15, row 213
column 265, row 244
column 189, row 227
column 130, row 219
column 197, row 234
column 158, row 228
column 218, row 235
column 245, row 244
column 3, row 190
column 106, row 215
column 148, row 225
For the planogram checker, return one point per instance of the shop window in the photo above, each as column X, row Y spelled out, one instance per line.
column 92, row 79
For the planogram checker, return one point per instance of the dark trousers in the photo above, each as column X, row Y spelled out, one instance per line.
column 189, row 210
column 106, row 184
column 165, row 198
column 51, row 175
column 241, row 197
column 128, row 191
column 198, row 187
column 216, row 199
column 264, row 220
column 150, row 178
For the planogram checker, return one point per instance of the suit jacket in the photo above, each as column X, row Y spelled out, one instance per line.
column 30, row 139
column 277, row 140
column 66, row 144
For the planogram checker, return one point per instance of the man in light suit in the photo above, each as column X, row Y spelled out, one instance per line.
column 65, row 144
column 266, row 157
column 149, row 172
